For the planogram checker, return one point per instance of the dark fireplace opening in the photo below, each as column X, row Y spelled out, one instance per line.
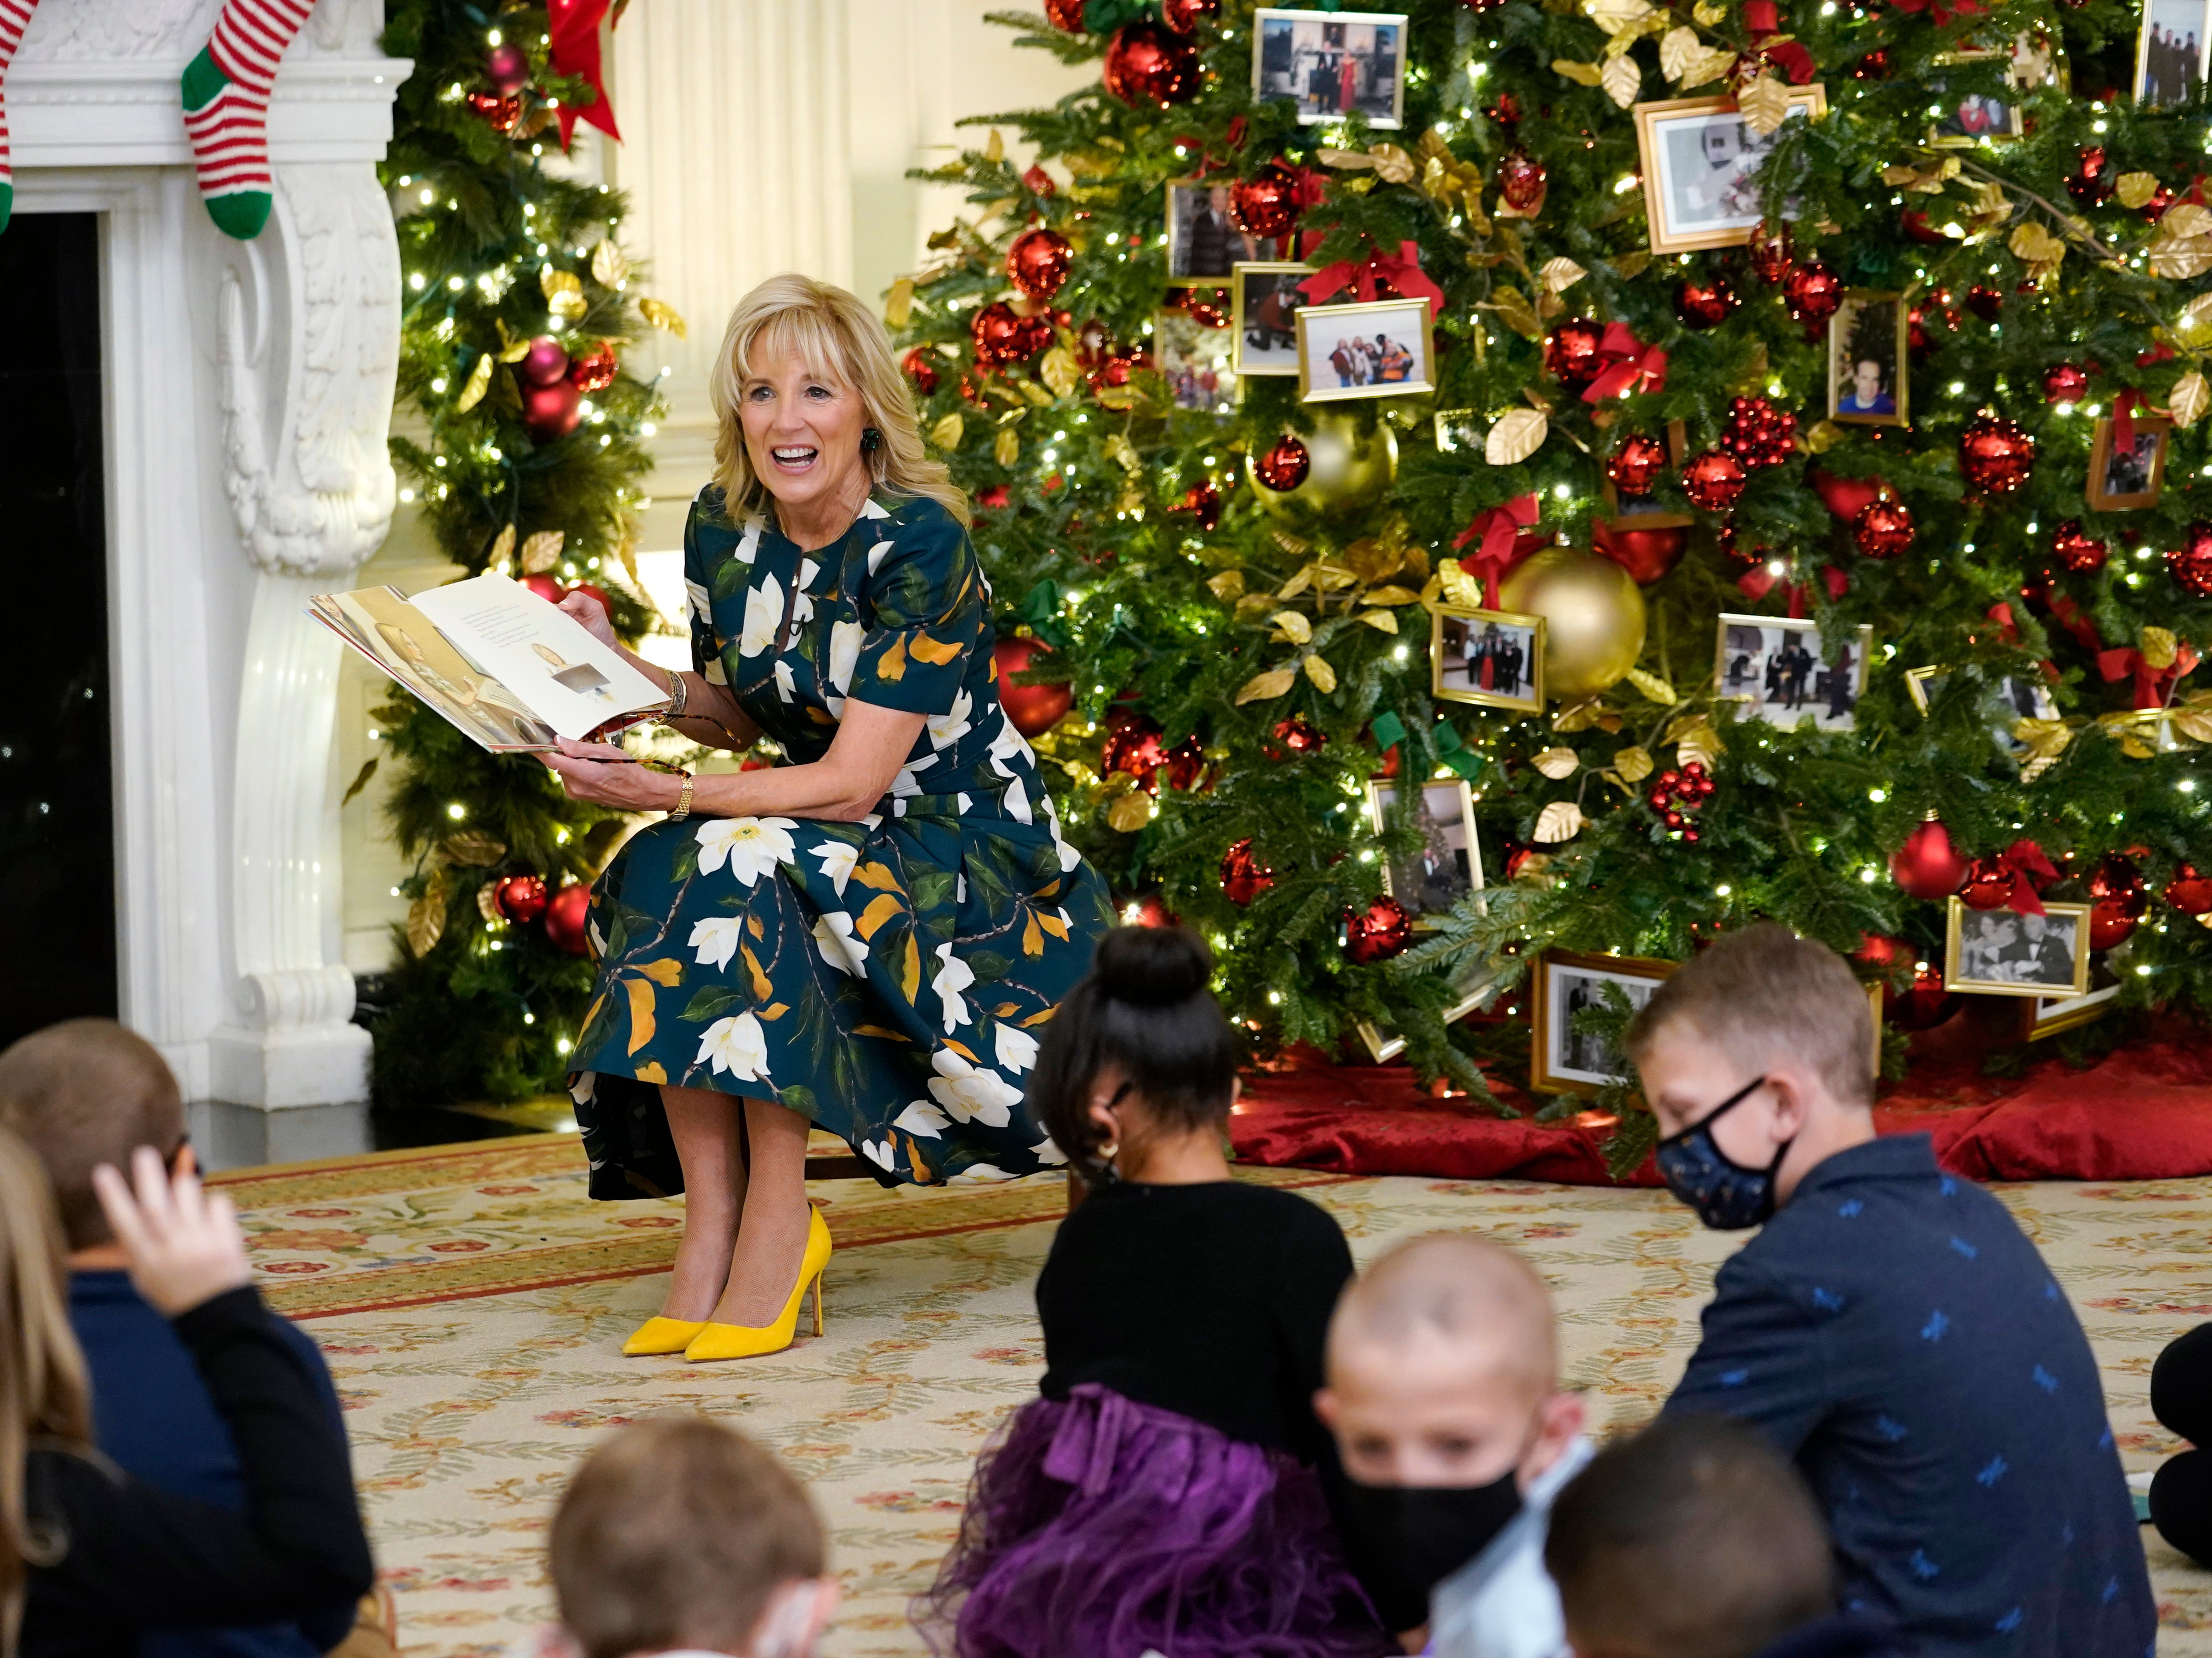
column 56, row 816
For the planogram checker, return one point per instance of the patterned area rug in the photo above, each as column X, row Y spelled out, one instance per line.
column 473, row 1304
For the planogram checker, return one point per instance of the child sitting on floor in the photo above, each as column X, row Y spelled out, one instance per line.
column 1892, row 1329
column 1696, row 1539
column 679, row 1535
column 1162, row 1494
column 1443, row 1395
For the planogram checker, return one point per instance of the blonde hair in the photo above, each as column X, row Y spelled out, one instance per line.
column 44, row 1395
column 842, row 342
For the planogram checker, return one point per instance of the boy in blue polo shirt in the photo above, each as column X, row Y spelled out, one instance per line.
column 1890, row 1328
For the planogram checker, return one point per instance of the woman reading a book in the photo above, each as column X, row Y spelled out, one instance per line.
column 870, row 934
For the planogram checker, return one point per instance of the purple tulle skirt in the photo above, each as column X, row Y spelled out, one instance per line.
column 1099, row 1528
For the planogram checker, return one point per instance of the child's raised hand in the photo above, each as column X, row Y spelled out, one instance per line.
column 185, row 1247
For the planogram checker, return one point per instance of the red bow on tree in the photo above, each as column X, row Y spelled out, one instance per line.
column 2001, row 613
column 1790, row 57
column 1756, row 584
column 1401, row 270
column 1633, row 368
column 1207, row 161
column 2154, row 686
column 1497, row 529
column 2029, row 869
column 2124, row 420
column 573, row 26
column 2069, row 615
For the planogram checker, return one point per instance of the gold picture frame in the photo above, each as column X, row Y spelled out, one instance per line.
column 1843, row 332
column 1460, row 799
column 1963, row 113
column 1248, row 317
column 1323, row 330
column 2174, row 14
column 1677, row 221
column 1180, row 243
column 1295, row 50
column 2157, row 430
column 1384, row 1044
column 1520, row 629
column 2046, row 1016
column 1728, row 679
column 2028, row 934
column 1554, row 1067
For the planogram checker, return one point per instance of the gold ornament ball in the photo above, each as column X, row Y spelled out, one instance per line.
column 1350, row 470
column 1593, row 616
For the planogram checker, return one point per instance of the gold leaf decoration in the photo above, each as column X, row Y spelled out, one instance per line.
column 543, row 552
column 1123, row 453
column 2134, row 189
column 1652, row 686
column 2185, row 219
column 1262, row 686
column 1514, row 310
column 1226, row 585
column 1823, row 435
column 564, row 294
column 1765, row 104
column 1460, row 588
column 502, row 550
column 1615, row 15
column 1707, row 12
column 610, row 266
column 1562, row 820
column 2189, row 400
column 473, row 847
column 1007, row 448
column 426, row 916
column 1390, row 595
column 1558, row 762
column 2193, row 328
column 1518, row 434
column 1633, row 764
column 487, row 904
column 2045, row 741
column 1580, row 716
column 1291, row 622
column 1060, row 371
column 513, row 348
column 1301, row 579
column 1323, row 675
column 1392, row 165
column 1560, row 274
column 1622, row 79
column 1381, row 621
column 2159, row 647
column 2033, row 244
column 664, row 317
column 1700, row 745
column 898, row 304
column 948, row 431
column 479, row 383
column 1130, row 813
column 1581, row 74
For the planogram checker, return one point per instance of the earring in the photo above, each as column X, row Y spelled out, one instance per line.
column 870, row 440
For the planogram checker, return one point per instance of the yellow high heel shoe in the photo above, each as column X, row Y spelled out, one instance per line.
column 662, row 1335
column 749, row 1341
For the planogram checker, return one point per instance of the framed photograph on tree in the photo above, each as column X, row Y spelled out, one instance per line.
column 2046, row 1016
column 1562, row 1061
column 2170, row 47
column 1380, row 350
column 1205, row 242
column 2127, row 477
column 1491, row 657
column 1869, row 365
column 1469, row 986
column 1701, row 162
column 1998, row 952
column 1448, row 863
column 1969, row 117
column 1779, row 671
column 1331, row 64
column 1267, row 303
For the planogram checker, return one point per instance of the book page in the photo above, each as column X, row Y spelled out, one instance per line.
column 546, row 656
column 379, row 623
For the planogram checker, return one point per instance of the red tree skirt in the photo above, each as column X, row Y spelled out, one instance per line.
column 2141, row 1113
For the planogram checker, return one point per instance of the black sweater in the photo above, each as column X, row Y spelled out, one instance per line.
column 1212, row 1301
column 135, row 1558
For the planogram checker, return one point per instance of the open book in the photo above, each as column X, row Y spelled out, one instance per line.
column 503, row 665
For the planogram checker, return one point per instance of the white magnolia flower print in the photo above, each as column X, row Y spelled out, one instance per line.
column 1047, row 1154
column 947, row 728
column 802, row 604
column 878, row 553
column 1015, row 1048
column 785, row 683
column 921, row 1117
column 751, row 846
column 715, row 938
column 1008, row 745
column 748, row 543
column 737, row 1045
column 838, row 862
column 764, row 615
column 970, row 1093
column 702, row 605
column 1016, row 800
column 879, row 1152
column 840, row 945
column 980, row 1174
column 948, row 982
column 845, row 639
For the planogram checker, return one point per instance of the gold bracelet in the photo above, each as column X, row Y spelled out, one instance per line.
column 683, row 799
column 679, row 696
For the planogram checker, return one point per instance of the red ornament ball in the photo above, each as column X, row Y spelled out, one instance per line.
column 1883, row 529
column 1186, row 763
column 1284, row 466
column 507, row 68
column 1198, row 304
column 1184, row 15
column 2111, row 921
column 1037, row 261
column 1032, row 709
column 520, row 898
column 568, row 918
column 1713, row 480
column 2065, row 382
column 1147, row 64
column 1067, row 15
column 1134, row 746
column 1882, row 949
column 1202, row 500
column 921, row 370
column 1706, row 304
column 1875, row 66
column 1118, row 364
column 1266, row 203
column 551, row 412
column 1990, row 884
column 2190, row 563
column 1994, row 454
column 1927, row 866
column 2076, row 549
column 544, row 361
column 1984, row 301
column 998, row 334
column 1572, row 353
column 1383, row 931
column 1635, row 466
column 1038, row 182
column 1300, row 735
column 2091, row 182
column 2189, row 892
column 1771, row 256
column 1243, row 877
column 2118, row 878
column 547, row 587
column 596, row 369
column 500, row 114
column 1844, row 496
column 1758, row 433
column 1646, row 554
column 1812, row 292
column 1521, row 178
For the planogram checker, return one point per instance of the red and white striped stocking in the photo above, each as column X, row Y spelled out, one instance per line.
column 14, row 18
column 226, row 93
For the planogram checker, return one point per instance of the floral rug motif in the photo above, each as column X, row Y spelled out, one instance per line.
column 473, row 1304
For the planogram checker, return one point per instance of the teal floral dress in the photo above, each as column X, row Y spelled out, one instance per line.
column 887, row 979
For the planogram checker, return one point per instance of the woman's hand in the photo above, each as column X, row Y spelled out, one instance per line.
column 185, row 1247
column 593, row 615
column 604, row 775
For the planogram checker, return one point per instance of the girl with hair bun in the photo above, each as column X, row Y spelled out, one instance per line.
column 1166, row 1489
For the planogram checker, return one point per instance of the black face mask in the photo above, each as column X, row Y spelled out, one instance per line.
column 1408, row 1538
column 1727, row 1196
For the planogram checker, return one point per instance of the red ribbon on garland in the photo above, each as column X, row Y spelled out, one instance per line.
column 1401, row 270
column 574, row 28
column 2154, row 686
column 1795, row 62
column 1756, row 584
column 1633, row 368
column 2025, row 861
column 1497, row 529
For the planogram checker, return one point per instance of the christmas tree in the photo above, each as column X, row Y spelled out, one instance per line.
column 520, row 303
column 1878, row 317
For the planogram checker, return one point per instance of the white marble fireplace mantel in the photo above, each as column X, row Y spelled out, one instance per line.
column 247, row 396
